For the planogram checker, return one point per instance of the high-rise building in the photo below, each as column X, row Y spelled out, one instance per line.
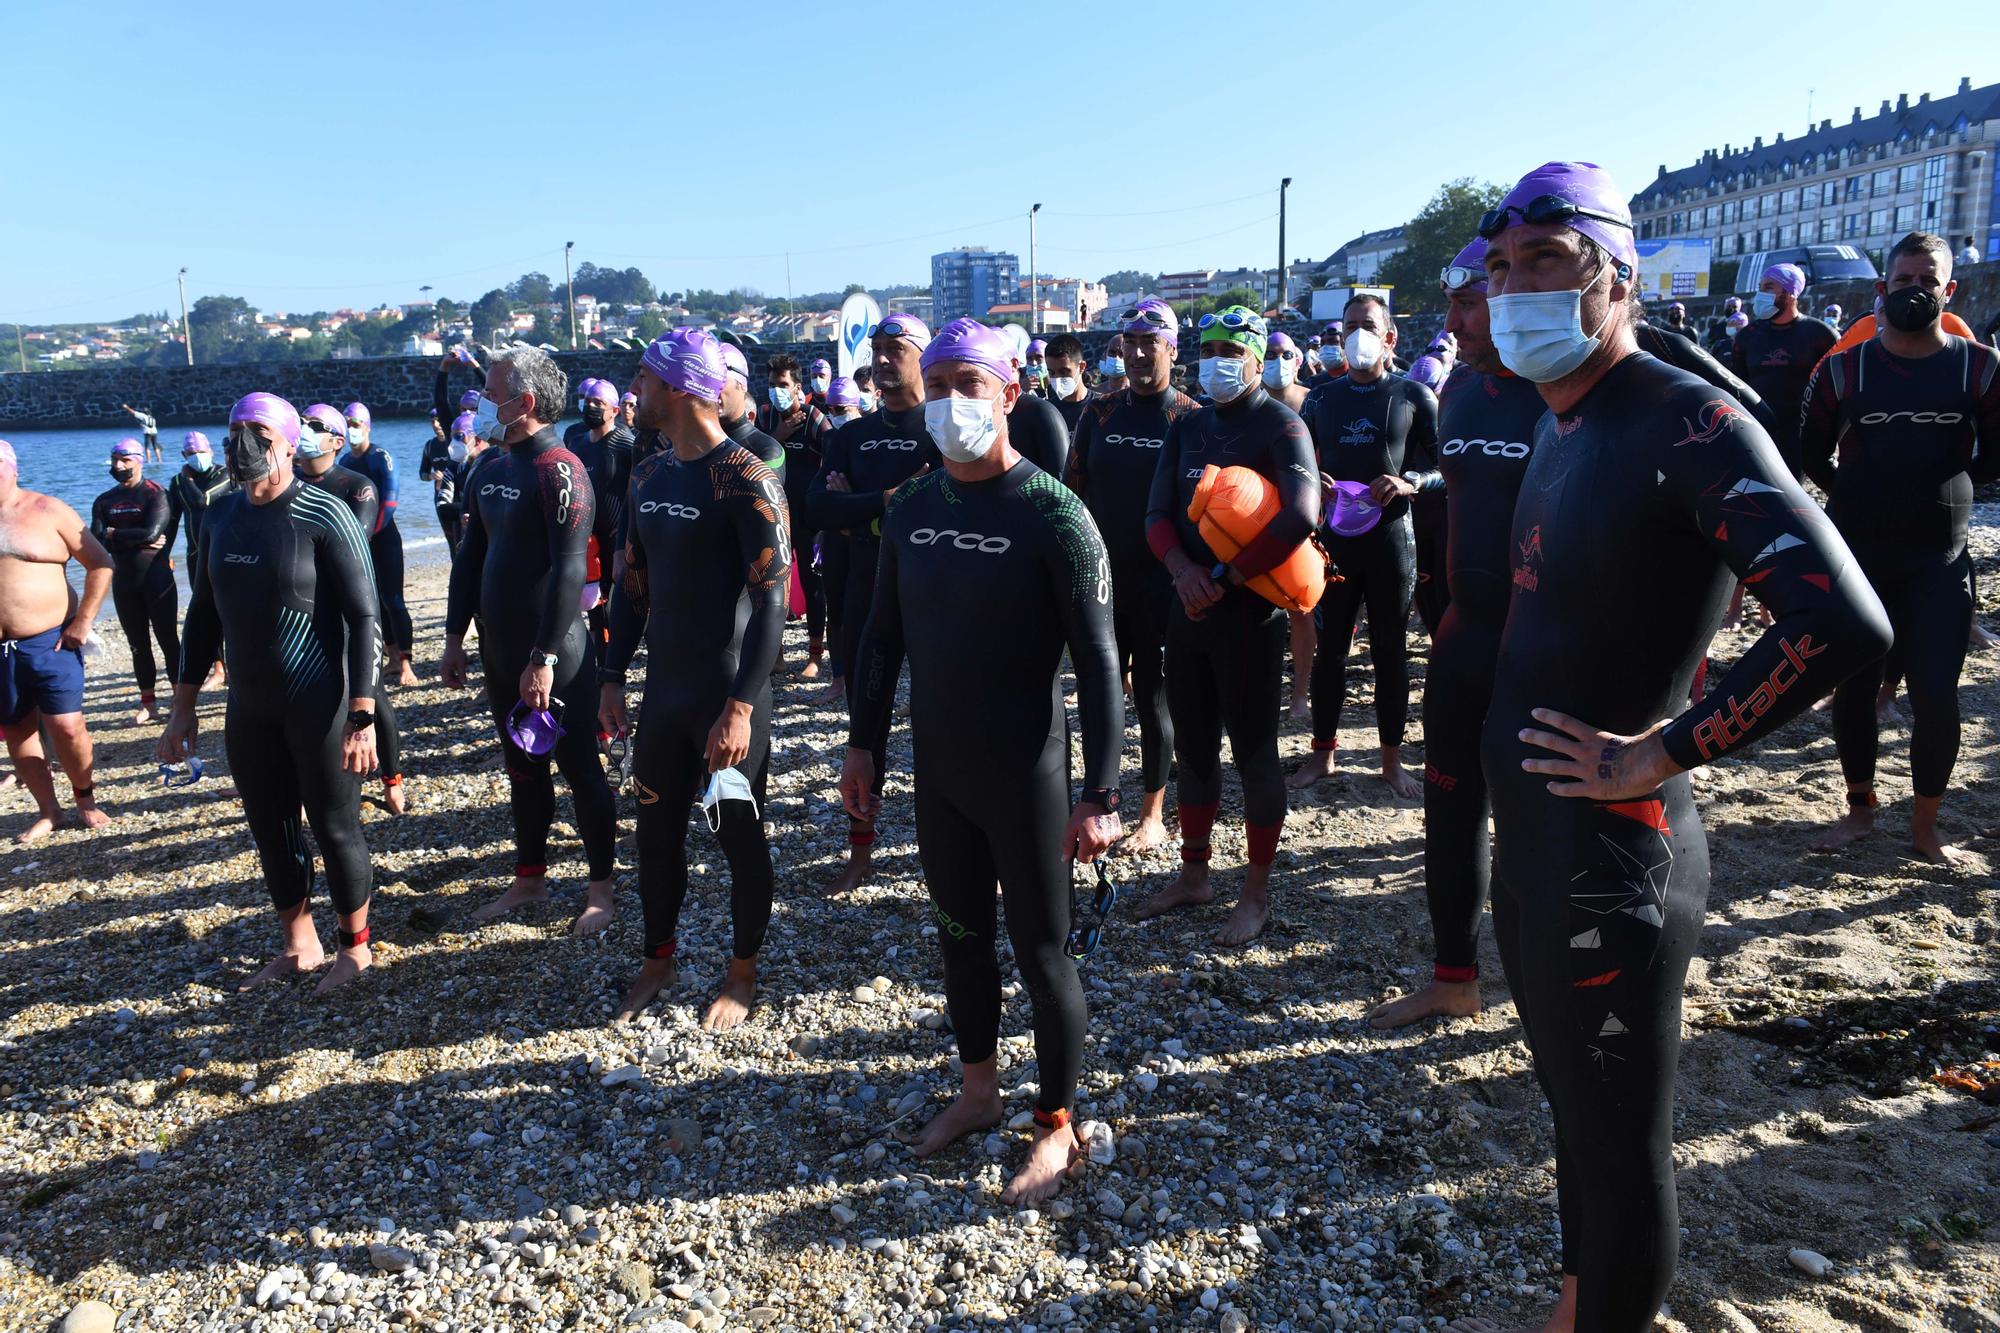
column 970, row 281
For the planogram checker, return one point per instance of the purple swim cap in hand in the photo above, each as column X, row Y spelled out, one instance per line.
column 536, row 732
column 690, row 360
column 1585, row 185
column 358, row 412
column 975, row 344
column 195, row 443
column 267, row 409
column 842, row 393
column 1790, row 277
column 128, row 448
column 1739, row 320
column 1353, row 511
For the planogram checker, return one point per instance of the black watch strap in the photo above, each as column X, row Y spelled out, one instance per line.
column 1106, row 797
column 360, row 719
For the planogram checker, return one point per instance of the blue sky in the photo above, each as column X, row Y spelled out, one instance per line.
column 312, row 157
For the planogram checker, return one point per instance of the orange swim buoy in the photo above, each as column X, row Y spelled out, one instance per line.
column 1231, row 507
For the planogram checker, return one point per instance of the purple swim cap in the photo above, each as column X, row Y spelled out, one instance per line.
column 604, row 391
column 907, row 327
column 267, row 409
column 1152, row 315
column 736, row 363
column 1677, row 306
column 818, row 366
column 975, row 344
column 1832, row 311
column 469, row 400
column 1739, row 320
column 195, row 443
column 1427, row 370
column 1468, row 266
column 1354, row 510
column 1586, row 185
column 1278, row 343
column 1788, row 276
column 1037, row 345
column 1732, row 304
column 462, row 424
column 128, row 447
column 842, row 393
column 688, row 359
column 358, row 412
column 535, row 732
column 328, row 418
column 629, row 397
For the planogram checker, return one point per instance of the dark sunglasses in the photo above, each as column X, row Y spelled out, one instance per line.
column 1083, row 940
column 1543, row 209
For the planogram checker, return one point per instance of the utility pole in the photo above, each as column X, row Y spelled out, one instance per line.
column 187, row 339
column 570, row 283
column 1034, row 279
column 1284, row 273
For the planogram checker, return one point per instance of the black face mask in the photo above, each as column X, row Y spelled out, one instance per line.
column 122, row 475
column 1913, row 309
column 249, row 458
column 596, row 414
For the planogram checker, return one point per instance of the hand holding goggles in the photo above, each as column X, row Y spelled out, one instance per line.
column 1543, row 209
column 1083, row 940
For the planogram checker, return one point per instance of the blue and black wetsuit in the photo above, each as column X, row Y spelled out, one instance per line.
column 1898, row 445
column 708, row 567
column 984, row 584
column 520, row 569
column 1111, row 464
column 358, row 494
column 189, row 496
column 385, row 544
column 1641, row 508
column 134, row 523
column 286, row 593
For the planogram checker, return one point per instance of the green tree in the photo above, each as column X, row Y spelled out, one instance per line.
column 1129, row 280
column 852, row 288
column 651, row 325
column 1431, row 238
column 532, row 289
column 489, row 312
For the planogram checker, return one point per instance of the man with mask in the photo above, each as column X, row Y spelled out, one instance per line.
column 628, row 408
column 710, row 522
column 1677, row 320
column 286, row 591
column 601, row 441
column 385, row 541
column 1067, row 391
column 1035, row 368
column 1283, row 365
column 1111, row 367
column 843, row 401
column 1035, row 429
column 739, row 423
column 1225, row 643
column 866, row 461
column 989, row 569
column 1648, row 494
column 198, row 485
column 1775, row 353
column 819, row 378
column 1898, row 430
column 864, row 383
column 1375, row 428
column 132, row 520
column 320, row 432
column 520, row 568
column 793, row 419
column 1118, row 443
column 468, row 451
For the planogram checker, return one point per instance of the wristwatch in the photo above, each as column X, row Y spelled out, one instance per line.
column 1221, row 572
column 545, row 659
column 360, row 719
column 1107, row 797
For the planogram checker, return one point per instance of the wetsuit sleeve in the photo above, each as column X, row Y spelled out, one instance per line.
column 1163, row 532
column 840, row 509
column 1420, row 444
column 761, row 524
column 631, row 602
column 1819, row 431
column 201, row 633
column 368, row 510
column 173, row 516
column 569, row 513
column 1298, row 497
column 1985, row 373
column 1077, row 472
column 1738, row 493
column 462, row 596
column 1080, row 572
column 879, row 658
column 1692, row 357
column 385, row 482
column 345, row 575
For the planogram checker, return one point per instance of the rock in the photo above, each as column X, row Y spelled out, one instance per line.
column 573, row 1216
column 865, row 995
column 125, row 1014
column 1147, row 1080
column 316, row 1237
column 804, row 1046
column 683, row 1135
column 843, row 1214
column 390, row 1258
column 633, row 1280
column 527, row 1203
column 1098, row 1142
column 1810, row 1262
column 148, row 1160
column 1234, row 1321
column 760, row 1315
column 271, row 1290
column 90, row 1317
column 533, row 1134
column 622, row 1074
column 1210, row 1298
column 1110, row 1204
column 478, row 1138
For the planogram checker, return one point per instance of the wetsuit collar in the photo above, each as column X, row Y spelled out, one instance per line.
column 1257, row 395
column 540, row 442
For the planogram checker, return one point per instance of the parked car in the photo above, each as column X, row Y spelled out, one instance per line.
column 1822, row 263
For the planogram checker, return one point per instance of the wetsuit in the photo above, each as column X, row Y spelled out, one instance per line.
column 1640, row 508
column 1039, row 434
column 1115, row 453
column 608, row 463
column 714, row 532
column 450, row 501
column 1361, row 432
column 1911, row 439
column 520, row 568
column 876, row 453
column 1486, row 432
column 358, row 494
column 286, row 594
column 133, row 523
column 1777, row 360
column 1224, row 670
column 385, row 544
column 1072, row 410
column 435, row 466
column 984, row 584
column 189, row 496
column 804, row 449
column 1680, row 350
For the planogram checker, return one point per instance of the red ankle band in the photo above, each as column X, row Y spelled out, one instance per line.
column 1862, row 800
column 352, row 939
column 857, row 838
column 525, row 871
column 1196, row 821
column 393, row 780
column 663, row 950
column 1443, row 973
column 1262, row 842
column 1325, row 747
column 1055, row 1119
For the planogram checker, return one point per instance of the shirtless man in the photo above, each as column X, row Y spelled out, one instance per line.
column 41, row 659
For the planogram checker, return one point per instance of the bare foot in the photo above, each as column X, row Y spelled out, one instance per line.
column 1302, row 709
column 147, row 713
column 392, row 796
column 600, row 909
column 811, row 670
column 525, row 889
column 1189, row 889
column 964, row 1116
column 347, row 965
column 655, row 975
column 1853, row 825
column 860, row 865
column 292, row 962
column 1937, row 851
column 1246, row 923
column 1148, row 834
column 1562, row 1319
column 1982, row 640
column 408, row 676
column 1446, row 999
column 217, row 678
column 1317, row 768
column 834, row 693
column 89, row 815
column 739, row 993
column 40, row 829
column 1051, row 1161
column 1398, row 777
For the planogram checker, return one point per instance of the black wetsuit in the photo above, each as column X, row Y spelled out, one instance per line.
column 287, row 596
column 1116, row 452
column 189, row 495
column 608, row 462
column 1224, row 670
column 1039, row 434
column 878, row 452
column 520, row 568
column 1486, row 432
column 984, row 584
column 1072, row 410
column 134, row 524
column 358, row 494
column 1911, row 439
column 1639, row 511
column 1361, row 432
column 385, row 544
column 1681, row 350
column 708, row 568
column 436, row 467
column 805, row 448
column 1777, row 360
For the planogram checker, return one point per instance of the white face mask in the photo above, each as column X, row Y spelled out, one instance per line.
column 780, row 398
column 821, row 384
column 1279, row 372
column 1539, row 335
column 725, row 784
column 1062, row 386
column 1763, row 305
column 1364, row 349
column 1111, row 367
column 486, row 423
column 964, row 428
column 1225, row 378
column 867, row 402
column 455, row 451
column 201, row 462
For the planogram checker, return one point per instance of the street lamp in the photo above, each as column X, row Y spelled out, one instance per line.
column 1034, row 287
column 1284, row 282
column 187, row 339
column 570, row 283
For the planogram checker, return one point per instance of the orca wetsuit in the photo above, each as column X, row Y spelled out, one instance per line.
column 1111, row 465
column 385, row 543
column 1678, row 348
column 876, row 453
column 287, row 596
column 358, row 494
column 608, row 463
column 133, row 522
column 189, row 496
column 1224, row 670
column 715, row 533
column 1777, row 361
column 984, row 584
column 804, row 450
column 1641, row 507
column 1361, row 432
column 1486, row 432
column 1911, row 438
column 520, row 568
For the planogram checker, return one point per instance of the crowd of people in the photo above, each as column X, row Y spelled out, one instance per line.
column 1569, row 495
